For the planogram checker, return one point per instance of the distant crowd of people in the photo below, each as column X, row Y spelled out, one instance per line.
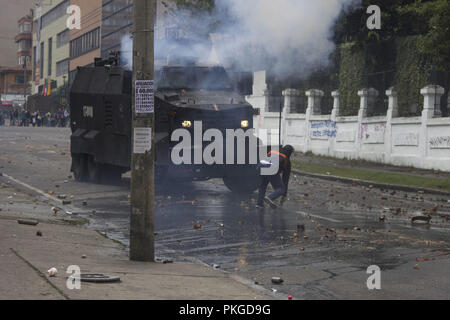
column 25, row 118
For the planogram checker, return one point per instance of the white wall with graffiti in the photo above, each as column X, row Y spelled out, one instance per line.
column 421, row 142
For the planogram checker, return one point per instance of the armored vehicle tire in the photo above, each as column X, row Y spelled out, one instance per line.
column 79, row 167
column 110, row 174
column 103, row 173
column 242, row 185
column 94, row 170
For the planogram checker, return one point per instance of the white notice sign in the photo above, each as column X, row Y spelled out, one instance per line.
column 144, row 96
column 142, row 140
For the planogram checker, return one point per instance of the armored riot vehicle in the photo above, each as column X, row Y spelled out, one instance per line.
column 101, row 123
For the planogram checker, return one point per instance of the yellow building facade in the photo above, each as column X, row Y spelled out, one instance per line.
column 51, row 51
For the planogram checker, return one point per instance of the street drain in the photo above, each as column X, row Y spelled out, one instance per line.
column 98, row 278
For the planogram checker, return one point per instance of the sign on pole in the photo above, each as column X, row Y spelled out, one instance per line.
column 145, row 96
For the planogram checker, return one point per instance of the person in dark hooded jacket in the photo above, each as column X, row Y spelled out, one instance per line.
column 279, row 181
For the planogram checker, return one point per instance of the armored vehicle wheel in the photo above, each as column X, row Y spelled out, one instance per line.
column 79, row 167
column 94, row 170
column 110, row 174
column 242, row 185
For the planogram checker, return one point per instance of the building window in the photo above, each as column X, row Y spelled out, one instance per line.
column 41, row 57
column 62, row 38
column 50, row 54
column 22, row 60
column 62, row 67
column 19, row 80
column 24, row 45
column 34, row 62
column 87, row 42
column 25, row 27
column 54, row 14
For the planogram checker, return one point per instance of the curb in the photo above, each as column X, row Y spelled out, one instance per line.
column 374, row 184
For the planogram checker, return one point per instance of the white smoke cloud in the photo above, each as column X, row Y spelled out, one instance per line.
column 286, row 37
column 126, row 51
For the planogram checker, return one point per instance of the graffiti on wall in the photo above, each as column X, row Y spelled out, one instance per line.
column 406, row 139
column 323, row 130
column 372, row 134
column 442, row 142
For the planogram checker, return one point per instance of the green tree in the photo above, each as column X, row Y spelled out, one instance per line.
column 434, row 38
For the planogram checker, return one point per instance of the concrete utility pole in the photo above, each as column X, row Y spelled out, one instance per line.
column 142, row 242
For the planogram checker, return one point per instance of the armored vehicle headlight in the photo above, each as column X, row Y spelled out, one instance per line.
column 186, row 124
column 245, row 124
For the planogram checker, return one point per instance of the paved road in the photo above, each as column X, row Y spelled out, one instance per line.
column 321, row 243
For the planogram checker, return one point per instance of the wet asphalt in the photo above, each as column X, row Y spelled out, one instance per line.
column 320, row 243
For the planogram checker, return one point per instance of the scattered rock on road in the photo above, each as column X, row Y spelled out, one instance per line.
column 421, row 218
column 52, row 272
column 277, row 280
column 28, row 222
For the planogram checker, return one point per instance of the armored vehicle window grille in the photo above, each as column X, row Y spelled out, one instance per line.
column 108, row 115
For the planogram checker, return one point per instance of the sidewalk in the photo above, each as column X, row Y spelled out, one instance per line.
column 25, row 258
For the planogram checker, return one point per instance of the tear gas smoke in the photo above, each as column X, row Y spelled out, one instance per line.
column 285, row 37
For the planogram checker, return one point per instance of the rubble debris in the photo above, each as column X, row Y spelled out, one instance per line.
column 52, row 272
column 426, row 219
column 277, row 280
column 383, row 218
column 66, row 202
column 62, row 196
column 39, row 233
column 167, row 261
column 424, row 259
column 84, row 203
column 55, row 210
column 216, row 266
column 434, row 209
column 28, row 222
